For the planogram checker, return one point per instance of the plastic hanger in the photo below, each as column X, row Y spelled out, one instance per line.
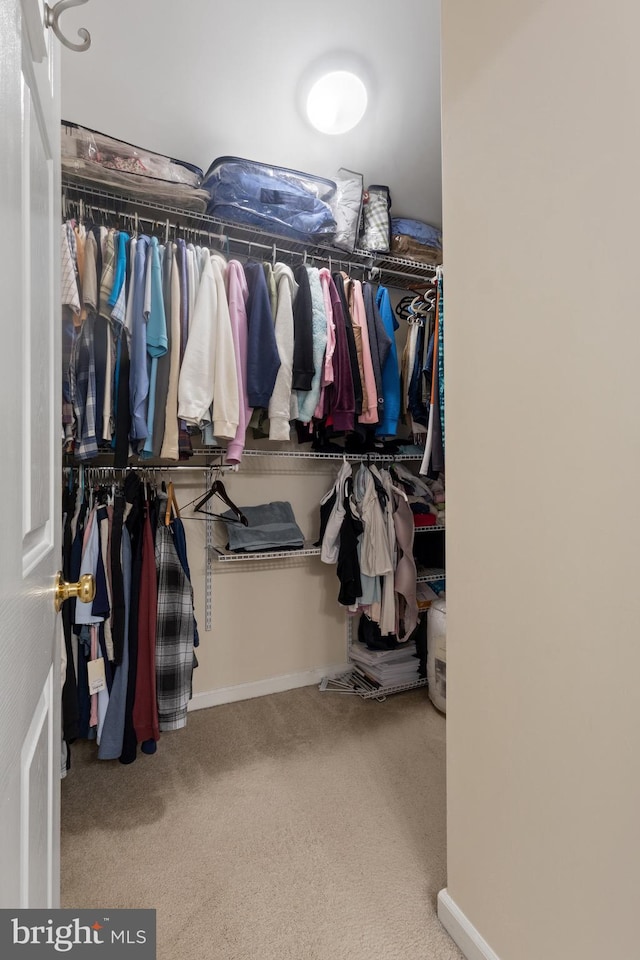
column 218, row 489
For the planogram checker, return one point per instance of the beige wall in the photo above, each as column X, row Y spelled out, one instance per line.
column 269, row 618
column 542, row 219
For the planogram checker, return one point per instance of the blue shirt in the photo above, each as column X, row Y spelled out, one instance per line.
column 263, row 359
column 139, row 374
column 390, row 411
column 157, row 341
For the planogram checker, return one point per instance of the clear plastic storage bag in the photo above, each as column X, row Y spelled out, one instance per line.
column 124, row 168
column 275, row 199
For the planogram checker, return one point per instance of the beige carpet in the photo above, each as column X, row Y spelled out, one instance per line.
column 299, row 826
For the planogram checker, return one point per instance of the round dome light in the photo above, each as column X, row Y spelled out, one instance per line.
column 337, row 102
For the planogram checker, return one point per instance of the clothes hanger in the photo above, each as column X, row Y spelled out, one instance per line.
column 218, row 490
column 171, row 502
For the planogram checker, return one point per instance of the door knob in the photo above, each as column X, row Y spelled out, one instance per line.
column 84, row 589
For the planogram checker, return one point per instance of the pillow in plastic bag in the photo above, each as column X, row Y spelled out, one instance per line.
column 347, row 208
column 376, row 219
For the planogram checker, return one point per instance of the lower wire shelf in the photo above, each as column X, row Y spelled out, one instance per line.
column 294, row 554
column 352, row 682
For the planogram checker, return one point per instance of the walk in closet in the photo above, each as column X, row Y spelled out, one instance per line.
column 307, row 624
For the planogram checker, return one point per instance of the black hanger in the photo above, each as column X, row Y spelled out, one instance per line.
column 218, row 490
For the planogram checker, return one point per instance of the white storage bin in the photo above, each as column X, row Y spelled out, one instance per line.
column 437, row 654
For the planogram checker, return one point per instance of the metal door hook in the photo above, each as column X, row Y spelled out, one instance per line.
column 51, row 18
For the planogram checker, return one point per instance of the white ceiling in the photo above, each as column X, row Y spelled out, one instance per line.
column 198, row 79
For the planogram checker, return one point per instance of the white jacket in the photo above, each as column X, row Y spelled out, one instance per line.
column 208, row 372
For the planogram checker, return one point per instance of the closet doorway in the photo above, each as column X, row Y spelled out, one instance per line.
column 397, row 142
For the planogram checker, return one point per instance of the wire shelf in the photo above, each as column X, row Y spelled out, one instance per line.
column 266, row 555
column 234, row 238
column 353, row 683
column 431, row 576
column 394, row 688
column 313, row 455
column 432, row 529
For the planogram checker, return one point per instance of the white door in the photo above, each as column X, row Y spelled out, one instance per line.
column 29, row 458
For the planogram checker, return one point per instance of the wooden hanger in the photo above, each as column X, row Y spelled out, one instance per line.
column 171, row 502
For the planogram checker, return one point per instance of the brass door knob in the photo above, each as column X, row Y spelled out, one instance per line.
column 84, row 589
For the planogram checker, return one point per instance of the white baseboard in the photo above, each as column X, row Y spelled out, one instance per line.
column 261, row 688
column 462, row 931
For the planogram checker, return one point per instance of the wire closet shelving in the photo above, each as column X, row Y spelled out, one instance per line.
column 85, row 199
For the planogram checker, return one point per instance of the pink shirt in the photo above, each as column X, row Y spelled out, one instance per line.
column 359, row 318
column 327, row 373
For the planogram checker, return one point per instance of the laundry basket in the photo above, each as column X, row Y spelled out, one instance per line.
column 437, row 654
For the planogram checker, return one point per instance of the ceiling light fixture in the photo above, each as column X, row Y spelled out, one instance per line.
column 336, row 102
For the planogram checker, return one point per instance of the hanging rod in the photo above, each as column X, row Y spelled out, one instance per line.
column 380, row 264
column 176, row 228
column 166, row 225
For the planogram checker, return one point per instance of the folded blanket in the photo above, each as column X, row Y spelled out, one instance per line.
column 424, row 233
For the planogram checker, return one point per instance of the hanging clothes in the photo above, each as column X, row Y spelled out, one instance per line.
column 308, row 400
column 141, row 623
column 283, row 405
column 354, row 358
column 238, row 298
column 327, row 367
column 367, row 529
column 161, row 340
column 388, row 426
column 145, row 709
column 174, row 632
column 208, row 377
column 178, row 300
column 263, row 360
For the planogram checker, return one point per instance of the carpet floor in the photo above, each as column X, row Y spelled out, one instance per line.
column 298, row 826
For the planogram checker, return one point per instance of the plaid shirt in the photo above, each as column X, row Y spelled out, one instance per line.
column 174, row 631
column 69, row 268
column 83, row 391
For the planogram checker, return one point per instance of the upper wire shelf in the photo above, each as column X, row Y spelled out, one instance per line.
column 206, row 454
column 236, row 239
column 313, row 455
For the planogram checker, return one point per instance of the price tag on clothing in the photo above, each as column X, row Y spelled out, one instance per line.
column 96, row 674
